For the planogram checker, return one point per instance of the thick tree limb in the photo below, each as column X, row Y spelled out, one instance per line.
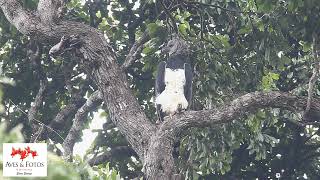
column 70, row 109
column 50, row 11
column 119, row 151
column 67, row 111
column 18, row 16
column 78, row 122
column 246, row 104
column 135, row 50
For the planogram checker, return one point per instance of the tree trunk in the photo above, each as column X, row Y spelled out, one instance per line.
column 158, row 161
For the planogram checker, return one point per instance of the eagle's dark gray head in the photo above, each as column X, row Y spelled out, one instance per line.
column 177, row 46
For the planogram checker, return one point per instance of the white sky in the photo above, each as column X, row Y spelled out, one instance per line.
column 88, row 136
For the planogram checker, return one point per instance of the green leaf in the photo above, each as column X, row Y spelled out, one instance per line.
column 183, row 29
column 244, row 30
column 98, row 14
column 154, row 30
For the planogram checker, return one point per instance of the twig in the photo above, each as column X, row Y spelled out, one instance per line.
column 42, row 124
column 312, row 135
column 167, row 11
column 135, row 50
column 41, row 129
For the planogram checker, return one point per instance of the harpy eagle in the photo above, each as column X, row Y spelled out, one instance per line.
column 173, row 87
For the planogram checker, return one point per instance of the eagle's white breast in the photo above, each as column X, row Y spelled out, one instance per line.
column 173, row 94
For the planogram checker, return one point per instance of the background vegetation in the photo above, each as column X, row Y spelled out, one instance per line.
column 238, row 47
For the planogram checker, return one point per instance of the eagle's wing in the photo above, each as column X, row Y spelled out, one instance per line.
column 160, row 85
column 188, row 85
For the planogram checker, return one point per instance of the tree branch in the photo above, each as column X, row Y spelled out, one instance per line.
column 168, row 13
column 35, row 106
column 50, row 11
column 76, row 102
column 68, row 110
column 135, row 50
column 80, row 118
column 18, row 16
column 315, row 73
column 67, row 73
column 215, row 6
column 37, row 101
column 108, row 155
column 246, row 104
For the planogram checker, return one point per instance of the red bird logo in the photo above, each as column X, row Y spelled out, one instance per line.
column 23, row 153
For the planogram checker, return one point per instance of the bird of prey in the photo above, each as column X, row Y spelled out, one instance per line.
column 173, row 86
